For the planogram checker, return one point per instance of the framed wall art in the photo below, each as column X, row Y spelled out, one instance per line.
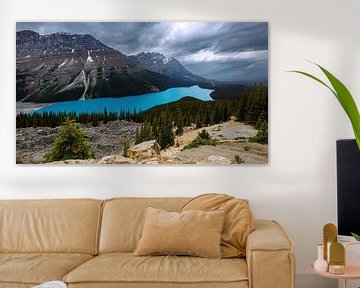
column 142, row 93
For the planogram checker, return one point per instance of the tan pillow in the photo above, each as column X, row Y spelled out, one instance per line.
column 238, row 224
column 196, row 233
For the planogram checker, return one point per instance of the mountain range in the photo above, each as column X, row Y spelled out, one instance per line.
column 62, row 67
column 171, row 67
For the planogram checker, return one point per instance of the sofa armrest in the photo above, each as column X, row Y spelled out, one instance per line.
column 269, row 255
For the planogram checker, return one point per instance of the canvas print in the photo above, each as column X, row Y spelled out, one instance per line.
column 142, row 93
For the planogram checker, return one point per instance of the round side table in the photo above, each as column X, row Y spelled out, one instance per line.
column 352, row 269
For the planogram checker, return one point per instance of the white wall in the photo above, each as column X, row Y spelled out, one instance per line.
column 297, row 188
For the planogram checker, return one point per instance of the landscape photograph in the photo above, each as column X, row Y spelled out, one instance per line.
column 142, row 93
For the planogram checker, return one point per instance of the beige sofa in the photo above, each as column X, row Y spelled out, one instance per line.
column 89, row 243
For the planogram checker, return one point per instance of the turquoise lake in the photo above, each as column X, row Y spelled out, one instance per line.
column 139, row 102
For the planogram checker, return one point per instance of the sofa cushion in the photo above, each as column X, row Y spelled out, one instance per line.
column 62, row 226
column 237, row 284
column 194, row 232
column 123, row 220
column 126, row 268
column 36, row 268
column 239, row 220
column 15, row 285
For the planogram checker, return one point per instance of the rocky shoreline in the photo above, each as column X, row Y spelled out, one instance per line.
column 29, row 107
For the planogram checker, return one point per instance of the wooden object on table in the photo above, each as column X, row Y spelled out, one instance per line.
column 337, row 258
column 330, row 236
column 352, row 268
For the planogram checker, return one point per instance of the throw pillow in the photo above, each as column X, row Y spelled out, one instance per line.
column 238, row 224
column 196, row 233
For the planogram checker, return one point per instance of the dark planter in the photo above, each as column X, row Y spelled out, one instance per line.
column 348, row 187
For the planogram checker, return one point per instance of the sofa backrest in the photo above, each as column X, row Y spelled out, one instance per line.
column 64, row 226
column 123, row 220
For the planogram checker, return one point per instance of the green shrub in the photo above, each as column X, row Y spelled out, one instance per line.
column 72, row 143
column 203, row 138
column 262, row 134
column 237, row 160
column 204, row 135
column 126, row 146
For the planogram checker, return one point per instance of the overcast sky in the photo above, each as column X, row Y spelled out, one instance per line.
column 232, row 51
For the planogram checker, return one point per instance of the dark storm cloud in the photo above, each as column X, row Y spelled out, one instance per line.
column 223, row 37
column 252, row 71
column 126, row 36
column 224, row 51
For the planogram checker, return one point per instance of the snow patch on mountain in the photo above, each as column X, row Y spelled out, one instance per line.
column 62, row 64
column 166, row 60
column 86, row 84
column 89, row 59
column 79, row 81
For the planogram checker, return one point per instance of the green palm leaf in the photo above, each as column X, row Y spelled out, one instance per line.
column 344, row 97
column 357, row 237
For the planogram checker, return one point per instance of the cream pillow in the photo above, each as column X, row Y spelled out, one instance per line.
column 194, row 232
column 238, row 223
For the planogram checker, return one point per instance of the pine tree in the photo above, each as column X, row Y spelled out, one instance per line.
column 258, row 123
column 94, row 120
column 72, row 143
column 126, row 146
column 138, row 136
column 243, row 105
column 166, row 135
column 226, row 115
column 146, row 134
column 204, row 135
column 206, row 120
column 262, row 134
column 179, row 122
column 106, row 120
column 198, row 122
column 257, row 104
column 217, row 114
column 212, row 117
column 155, row 126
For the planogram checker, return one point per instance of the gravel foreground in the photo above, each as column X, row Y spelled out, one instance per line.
column 107, row 139
column 107, row 142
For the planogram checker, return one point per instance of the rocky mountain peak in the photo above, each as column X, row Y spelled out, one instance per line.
column 62, row 67
column 151, row 57
column 159, row 63
column 31, row 43
column 26, row 33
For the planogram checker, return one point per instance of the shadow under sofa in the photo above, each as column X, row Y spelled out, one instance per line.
column 90, row 243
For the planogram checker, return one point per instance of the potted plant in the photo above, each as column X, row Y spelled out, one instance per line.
column 357, row 237
column 344, row 97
